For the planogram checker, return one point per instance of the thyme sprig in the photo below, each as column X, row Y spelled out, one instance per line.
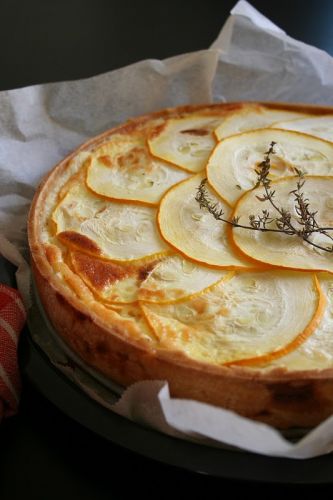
column 283, row 222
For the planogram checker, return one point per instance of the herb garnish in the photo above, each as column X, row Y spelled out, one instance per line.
column 306, row 219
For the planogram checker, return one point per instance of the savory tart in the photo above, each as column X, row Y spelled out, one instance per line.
column 194, row 245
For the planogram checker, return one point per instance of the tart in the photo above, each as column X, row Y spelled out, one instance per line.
column 142, row 282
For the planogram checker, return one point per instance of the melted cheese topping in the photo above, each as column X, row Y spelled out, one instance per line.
column 251, row 117
column 231, row 169
column 194, row 232
column 278, row 248
column 186, row 142
column 247, row 315
column 111, row 230
column 124, row 169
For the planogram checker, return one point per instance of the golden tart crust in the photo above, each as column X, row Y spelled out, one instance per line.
column 113, row 335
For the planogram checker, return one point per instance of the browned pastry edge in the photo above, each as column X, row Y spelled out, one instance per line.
column 278, row 397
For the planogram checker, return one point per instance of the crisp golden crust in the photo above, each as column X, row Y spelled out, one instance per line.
column 120, row 344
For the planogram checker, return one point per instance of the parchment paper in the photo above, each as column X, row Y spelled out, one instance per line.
column 252, row 59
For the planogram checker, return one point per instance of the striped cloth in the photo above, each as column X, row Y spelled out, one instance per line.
column 12, row 318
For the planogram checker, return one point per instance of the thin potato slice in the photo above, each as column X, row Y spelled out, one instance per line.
column 251, row 117
column 280, row 249
column 231, row 167
column 109, row 230
column 186, row 142
column 124, row 169
column 194, row 232
column 319, row 126
column 255, row 315
column 175, row 277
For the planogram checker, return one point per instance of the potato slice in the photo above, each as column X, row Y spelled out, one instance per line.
column 247, row 316
column 319, row 126
column 124, row 169
column 251, row 117
column 194, row 232
column 280, row 249
column 186, row 142
column 231, row 167
column 110, row 230
column 175, row 277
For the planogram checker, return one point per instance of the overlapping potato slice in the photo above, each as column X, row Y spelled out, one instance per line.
column 278, row 248
column 101, row 227
column 250, row 117
column 231, row 167
column 124, row 169
column 319, row 126
column 175, row 278
column 112, row 281
column 194, row 232
column 246, row 316
column 186, row 142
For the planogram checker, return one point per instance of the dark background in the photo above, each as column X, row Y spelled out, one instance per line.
column 44, row 40
column 43, row 453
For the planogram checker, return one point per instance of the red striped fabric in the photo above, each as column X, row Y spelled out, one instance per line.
column 12, row 318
